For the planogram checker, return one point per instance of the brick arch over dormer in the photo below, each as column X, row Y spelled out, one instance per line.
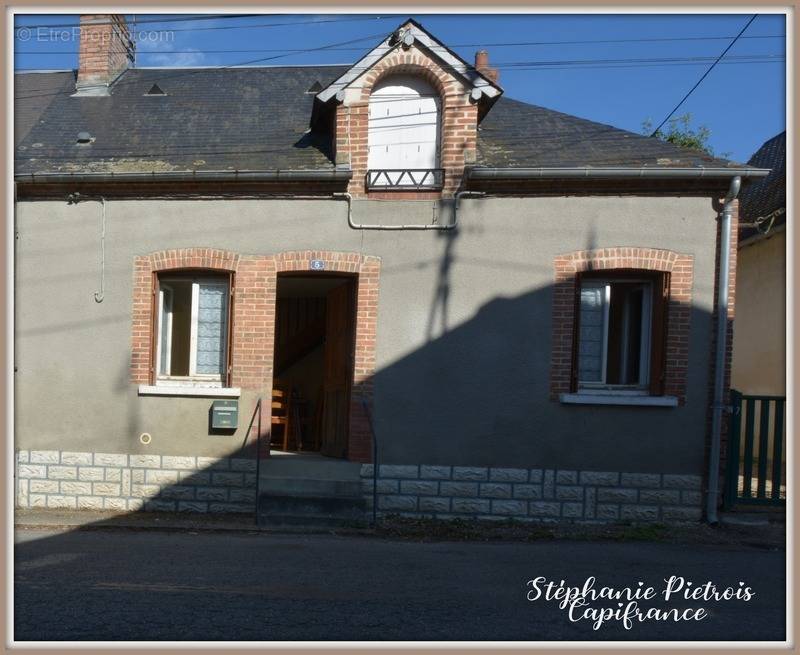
column 254, row 301
column 567, row 267
column 459, row 121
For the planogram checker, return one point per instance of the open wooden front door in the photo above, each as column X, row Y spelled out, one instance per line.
column 338, row 358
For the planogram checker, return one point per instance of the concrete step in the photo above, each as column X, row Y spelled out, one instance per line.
column 303, row 487
column 309, row 467
column 275, row 509
column 312, row 490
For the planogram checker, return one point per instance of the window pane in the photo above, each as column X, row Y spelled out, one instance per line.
column 165, row 335
column 181, row 326
column 625, row 333
column 212, row 314
column 590, row 341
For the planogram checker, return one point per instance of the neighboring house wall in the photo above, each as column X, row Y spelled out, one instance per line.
column 759, row 342
column 463, row 345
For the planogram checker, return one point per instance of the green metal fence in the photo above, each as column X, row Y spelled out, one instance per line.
column 756, row 462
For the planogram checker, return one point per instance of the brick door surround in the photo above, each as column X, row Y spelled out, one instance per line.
column 254, row 302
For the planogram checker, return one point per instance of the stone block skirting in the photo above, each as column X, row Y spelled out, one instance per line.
column 110, row 481
column 535, row 495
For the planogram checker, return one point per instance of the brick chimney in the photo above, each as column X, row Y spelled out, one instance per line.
column 482, row 65
column 106, row 49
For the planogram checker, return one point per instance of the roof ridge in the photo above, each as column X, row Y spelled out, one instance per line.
column 43, row 70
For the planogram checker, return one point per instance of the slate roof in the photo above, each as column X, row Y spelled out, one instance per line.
column 258, row 119
column 35, row 92
column 764, row 196
column 209, row 119
column 518, row 134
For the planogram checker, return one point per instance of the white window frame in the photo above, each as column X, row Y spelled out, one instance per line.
column 194, row 379
column 645, row 353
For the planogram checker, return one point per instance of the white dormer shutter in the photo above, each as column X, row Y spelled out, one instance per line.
column 403, row 128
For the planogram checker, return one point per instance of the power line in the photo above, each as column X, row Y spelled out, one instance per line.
column 218, row 27
column 511, row 67
column 283, row 24
column 532, row 65
column 512, row 70
column 710, row 68
column 607, row 41
column 176, row 19
column 457, row 45
column 699, row 59
column 196, row 71
column 666, row 65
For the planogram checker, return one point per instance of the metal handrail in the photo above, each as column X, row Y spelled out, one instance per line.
column 365, row 406
column 256, row 411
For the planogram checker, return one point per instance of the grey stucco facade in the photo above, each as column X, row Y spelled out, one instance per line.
column 464, row 327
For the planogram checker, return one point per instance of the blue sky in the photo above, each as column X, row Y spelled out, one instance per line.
column 742, row 103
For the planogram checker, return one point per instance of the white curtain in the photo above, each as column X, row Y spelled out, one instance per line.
column 212, row 314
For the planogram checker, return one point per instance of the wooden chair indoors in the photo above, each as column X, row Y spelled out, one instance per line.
column 282, row 411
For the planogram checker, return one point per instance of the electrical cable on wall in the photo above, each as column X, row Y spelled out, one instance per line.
column 99, row 295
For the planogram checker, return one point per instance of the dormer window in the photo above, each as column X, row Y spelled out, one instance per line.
column 404, row 135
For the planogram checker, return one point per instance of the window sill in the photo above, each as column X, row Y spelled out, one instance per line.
column 614, row 399
column 175, row 390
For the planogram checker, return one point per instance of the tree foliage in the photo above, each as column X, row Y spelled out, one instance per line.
column 680, row 132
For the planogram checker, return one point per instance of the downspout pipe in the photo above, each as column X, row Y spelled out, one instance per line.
column 427, row 226
column 723, row 276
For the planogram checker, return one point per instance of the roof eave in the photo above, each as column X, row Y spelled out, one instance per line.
column 287, row 175
column 510, row 173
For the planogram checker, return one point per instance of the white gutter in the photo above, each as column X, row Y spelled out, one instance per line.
column 489, row 173
column 719, row 356
column 314, row 175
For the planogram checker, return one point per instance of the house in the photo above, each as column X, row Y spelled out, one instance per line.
column 511, row 310
column 759, row 343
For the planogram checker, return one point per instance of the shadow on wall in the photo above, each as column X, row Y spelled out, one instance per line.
column 479, row 394
column 474, row 393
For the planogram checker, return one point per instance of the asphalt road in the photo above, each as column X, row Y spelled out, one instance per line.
column 137, row 585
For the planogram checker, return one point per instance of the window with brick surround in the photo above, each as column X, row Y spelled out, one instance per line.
column 403, row 134
column 620, row 332
column 192, row 329
column 671, row 274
